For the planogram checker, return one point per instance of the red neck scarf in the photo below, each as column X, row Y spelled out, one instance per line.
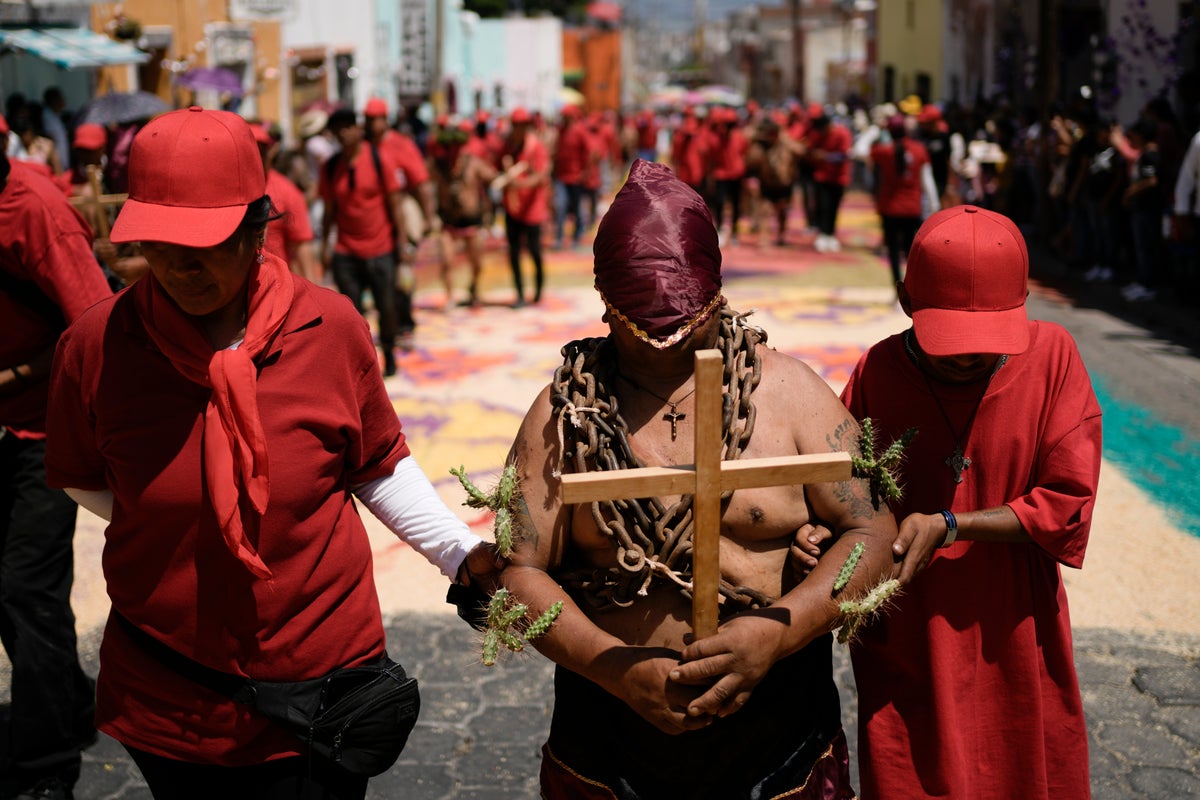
column 234, row 445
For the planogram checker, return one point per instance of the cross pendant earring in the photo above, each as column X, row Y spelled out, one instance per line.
column 673, row 417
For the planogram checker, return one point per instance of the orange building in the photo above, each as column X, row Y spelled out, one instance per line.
column 196, row 33
column 592, row 65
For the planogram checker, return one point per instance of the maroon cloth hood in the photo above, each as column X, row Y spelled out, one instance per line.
column 658, row 262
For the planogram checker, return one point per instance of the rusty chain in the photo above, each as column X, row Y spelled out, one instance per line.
column 652, row 540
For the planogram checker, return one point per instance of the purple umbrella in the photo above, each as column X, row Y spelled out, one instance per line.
column 217, row 79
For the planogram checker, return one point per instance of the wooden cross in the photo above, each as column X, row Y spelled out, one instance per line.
column 706, row 480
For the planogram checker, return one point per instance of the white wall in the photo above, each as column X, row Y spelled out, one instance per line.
column 336, row 26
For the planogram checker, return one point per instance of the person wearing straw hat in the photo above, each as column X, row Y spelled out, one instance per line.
column 225, row 416
column 973, row 664
column 639, row 712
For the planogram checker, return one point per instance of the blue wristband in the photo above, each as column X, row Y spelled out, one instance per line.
column 951, row 528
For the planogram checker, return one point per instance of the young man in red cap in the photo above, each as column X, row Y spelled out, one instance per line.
column 827, row 148
column 405, row 154
column 572, row 158
column 48, row 277
column 640, row 713
column 967, row 686
column 361, row 192
column 526, row 199
column 728, row 167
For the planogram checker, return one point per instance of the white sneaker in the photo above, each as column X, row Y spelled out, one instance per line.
column 834, row 245
column 1096, row 273
column 1136, row 292
column 821, row 244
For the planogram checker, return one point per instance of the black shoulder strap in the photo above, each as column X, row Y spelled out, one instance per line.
column 387, row 209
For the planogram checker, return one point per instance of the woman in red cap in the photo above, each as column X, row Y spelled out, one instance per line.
column 223, row 414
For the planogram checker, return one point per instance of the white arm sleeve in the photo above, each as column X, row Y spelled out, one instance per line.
column 99, row 502
column 408, row 504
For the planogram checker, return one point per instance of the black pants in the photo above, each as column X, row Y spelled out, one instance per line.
column 531, row 235
column 353, row 276
column 829, row 200
column 284, row 779
column 731, row 191
column 898, row 233
column 572, row 196
column 53, row 701
column 761, row 751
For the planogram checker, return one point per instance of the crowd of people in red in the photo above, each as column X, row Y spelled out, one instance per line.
column 1103, row 196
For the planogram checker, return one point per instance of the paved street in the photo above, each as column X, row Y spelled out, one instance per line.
column 462, row 391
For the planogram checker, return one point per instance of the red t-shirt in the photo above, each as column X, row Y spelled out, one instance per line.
column 647, row 133
column 405, row 154
column 49, row 277
column 530, row 205
column 833, row 164
column 730, row 162
column 967, row 684
column 293, row 226
column 362, row 214
column 122, row 417
column 571, row 155
column 597, row 150
column 899, row 195
column 691, row 152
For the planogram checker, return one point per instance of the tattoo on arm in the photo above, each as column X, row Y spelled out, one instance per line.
column 854, row 494
column 524, row 531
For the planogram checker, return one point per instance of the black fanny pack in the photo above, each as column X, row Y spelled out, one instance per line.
column 357, row 717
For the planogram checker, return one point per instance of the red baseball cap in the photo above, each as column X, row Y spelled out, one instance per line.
column 967, row 279
column 929, row 113
column 520, row 116
column 3, row 126
column 173, row 194
column 90, row 136
column 261, row 134
column 375, row 107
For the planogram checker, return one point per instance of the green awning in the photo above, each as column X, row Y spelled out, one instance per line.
column 70, row 47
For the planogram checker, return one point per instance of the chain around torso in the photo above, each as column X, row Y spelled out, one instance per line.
column 652, row 537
